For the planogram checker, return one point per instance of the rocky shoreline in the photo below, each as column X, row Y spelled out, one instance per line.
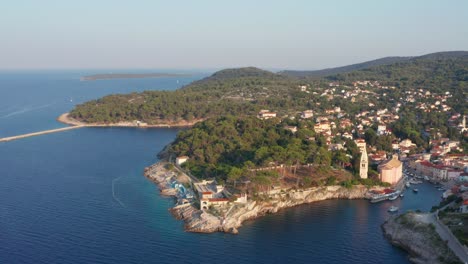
column 414, row 233
column 66, row 119
column 206, row 222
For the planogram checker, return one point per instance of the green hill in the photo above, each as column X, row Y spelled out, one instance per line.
column 244, row 91
column 348, row 68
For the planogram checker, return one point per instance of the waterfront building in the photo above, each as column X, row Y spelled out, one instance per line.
column 391, row 170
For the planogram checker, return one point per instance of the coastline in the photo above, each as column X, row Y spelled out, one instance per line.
column 203, row 221
column 416, row 234
column 66, row 119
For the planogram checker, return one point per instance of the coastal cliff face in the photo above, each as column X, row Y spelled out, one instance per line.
column 205, row 222
column 414, row 233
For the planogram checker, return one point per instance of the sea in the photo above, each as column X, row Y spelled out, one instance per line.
column 80, row 196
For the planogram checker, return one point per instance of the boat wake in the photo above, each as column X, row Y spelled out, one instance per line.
column 113, row 192
column 25, row 110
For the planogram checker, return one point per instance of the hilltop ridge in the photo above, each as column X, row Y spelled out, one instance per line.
column 244, row 91
column 374, row 63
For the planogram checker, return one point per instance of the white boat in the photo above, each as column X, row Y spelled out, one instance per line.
column 393, row 209
column 393, row 197
column 408, row 184
column 401, row 195
column 415, row 190
column 426, row 178
column 413, row 181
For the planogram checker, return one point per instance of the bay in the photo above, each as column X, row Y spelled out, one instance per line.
column 80, row 197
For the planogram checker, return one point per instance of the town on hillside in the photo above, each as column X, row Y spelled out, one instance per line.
column 383, row 156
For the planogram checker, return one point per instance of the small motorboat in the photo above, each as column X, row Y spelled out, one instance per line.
column 401, row 195
column 408, row 184
column 415, row 190
column 393, row 197
column 392, row 209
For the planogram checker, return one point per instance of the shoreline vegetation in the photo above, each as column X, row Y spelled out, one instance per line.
column 109, row 76
column 168, row 177
column 67, row 119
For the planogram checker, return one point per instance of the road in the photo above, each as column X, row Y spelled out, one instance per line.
column 447, row 235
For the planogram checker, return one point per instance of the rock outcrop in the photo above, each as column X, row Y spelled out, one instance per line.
column 414, row 233
column 202, row 221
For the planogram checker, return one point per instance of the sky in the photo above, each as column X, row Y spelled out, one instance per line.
column 214, row 34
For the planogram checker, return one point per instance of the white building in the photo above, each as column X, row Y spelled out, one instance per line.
column 307, row 114
column 266, row 114
column 181, row 160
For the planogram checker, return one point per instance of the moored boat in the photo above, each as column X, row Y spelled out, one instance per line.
column 408, row 184
column 393, row 209
column 415, row 190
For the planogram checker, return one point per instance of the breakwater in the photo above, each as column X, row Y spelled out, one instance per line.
column 5, row 139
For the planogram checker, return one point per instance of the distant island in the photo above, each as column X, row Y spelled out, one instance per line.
column 108, row 76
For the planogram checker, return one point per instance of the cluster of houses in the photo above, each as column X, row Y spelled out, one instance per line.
column 427, row 101
column 445, row 168
column 460, row 190
column 438, row 165
column 214, row 195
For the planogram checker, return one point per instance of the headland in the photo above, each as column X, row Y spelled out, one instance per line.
column 173, row 182
column 67, row 119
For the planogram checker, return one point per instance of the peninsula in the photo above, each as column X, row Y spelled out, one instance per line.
column 108, row 76
column 260, row 141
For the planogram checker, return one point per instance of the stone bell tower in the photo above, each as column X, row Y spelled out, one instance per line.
column 364, row 164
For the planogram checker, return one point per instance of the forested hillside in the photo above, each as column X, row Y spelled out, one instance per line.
column 229, row 147
column 245, row 91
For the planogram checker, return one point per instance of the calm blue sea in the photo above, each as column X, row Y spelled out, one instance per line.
column 80, row 196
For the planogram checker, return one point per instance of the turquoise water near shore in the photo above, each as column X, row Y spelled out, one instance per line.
column 80, row 197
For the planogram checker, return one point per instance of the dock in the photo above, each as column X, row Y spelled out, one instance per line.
column 40, row 133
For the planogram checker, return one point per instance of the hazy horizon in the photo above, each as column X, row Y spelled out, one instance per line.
column 209, row 35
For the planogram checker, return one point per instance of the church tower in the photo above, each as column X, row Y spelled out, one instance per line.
column 363, row 168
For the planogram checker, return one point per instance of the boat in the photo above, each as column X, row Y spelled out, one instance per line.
column 393, row 209
column 401, row 195
column 393, row 197
column 426, row 178
column 415, row 190
column 413, row 181
column 408, row 184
